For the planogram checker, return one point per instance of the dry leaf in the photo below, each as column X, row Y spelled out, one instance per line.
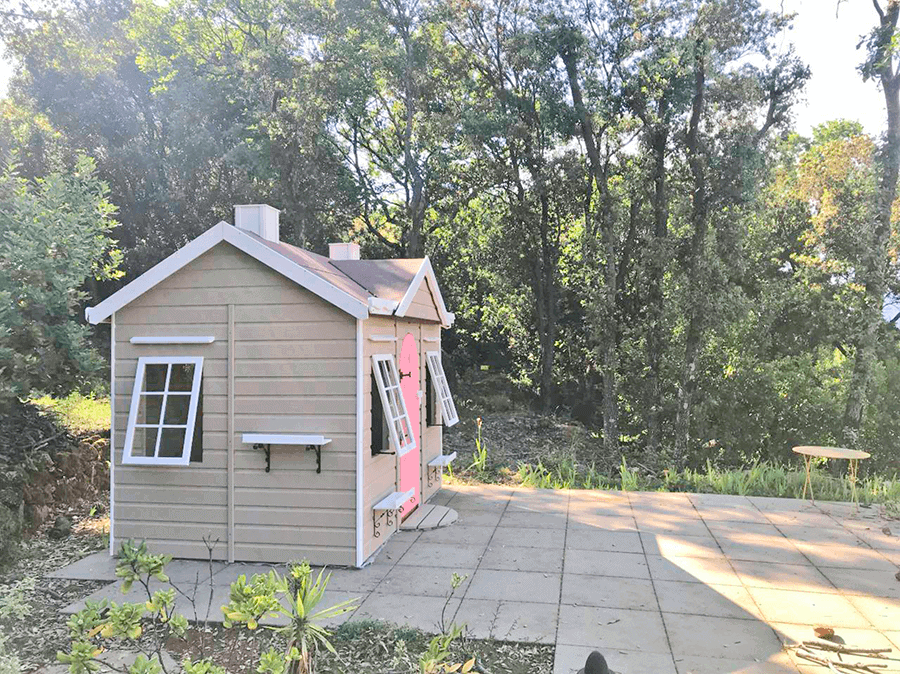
column 886, row 531
column 824, row 632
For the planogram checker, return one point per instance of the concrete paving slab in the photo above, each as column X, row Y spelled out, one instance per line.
column 800, row 577
column 866, row 582
column 754, row 548
column 668, row 545
column 726, row 528
column 459, row 534
column 832, row 534
column 516, row 558
column 604, row 592
column 425, row 553
column 659, row 523
column 570, row 659
column 807, row 608
column 608, row 629
column 530, row 537
column 775, row 664
column 479, row 518
column 731, row 513
column 403, row 609
column 607, row 541
column 540, row 520
column 98, row 566
column 526, row 586
column 728, row 638
column 882, row 613
column 423, row 581
column 836, row 555
column 603, row 563
column 692, row 570
column 597, row 522
column 509, row 621
column 718, row 601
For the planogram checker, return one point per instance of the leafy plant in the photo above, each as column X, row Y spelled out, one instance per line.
column 480, row 456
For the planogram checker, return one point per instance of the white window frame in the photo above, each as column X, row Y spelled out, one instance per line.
column 449, row 416
column 387, row 390
column 185, row 458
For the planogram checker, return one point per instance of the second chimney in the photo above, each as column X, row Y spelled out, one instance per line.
column 343, row 251
column 259, row 219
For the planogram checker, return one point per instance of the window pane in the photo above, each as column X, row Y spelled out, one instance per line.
column 171, row 444
column 177, row 409
column 144, row 441
column 149, row 409
column 155, row 377
column 182, row 377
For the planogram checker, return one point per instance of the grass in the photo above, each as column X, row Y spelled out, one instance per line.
column 78, row 413
column 761, row 479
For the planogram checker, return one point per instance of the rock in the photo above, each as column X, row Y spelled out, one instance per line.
column 38, row 514
column 61, row 528
column 596, row 664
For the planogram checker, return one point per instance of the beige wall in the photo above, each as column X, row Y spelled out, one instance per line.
column 294, row 372
column 422, row 305
column 380, row 472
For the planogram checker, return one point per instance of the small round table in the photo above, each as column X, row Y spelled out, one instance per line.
column 852, row 455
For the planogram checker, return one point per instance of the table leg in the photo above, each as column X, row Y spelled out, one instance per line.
column 854, row 468
column 807, row 461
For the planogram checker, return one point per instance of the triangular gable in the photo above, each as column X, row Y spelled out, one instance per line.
column 243, row 241
column 425, row 275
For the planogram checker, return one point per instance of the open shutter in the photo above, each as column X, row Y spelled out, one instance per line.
column 392, row 401
column 439, row 379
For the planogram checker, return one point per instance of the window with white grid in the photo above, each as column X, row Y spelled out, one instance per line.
column 439, row 381
column 163, row 414
column 395, row 413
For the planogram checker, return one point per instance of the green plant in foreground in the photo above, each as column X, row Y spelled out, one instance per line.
column 149, row 625
column 480, row 456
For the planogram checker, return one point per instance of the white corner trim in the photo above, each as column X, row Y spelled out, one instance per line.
column 382, row 338
column 172, row 340
column 381, row 306
column 242, row 241
column 425, row 271
column 112, row 435
column 360, row 378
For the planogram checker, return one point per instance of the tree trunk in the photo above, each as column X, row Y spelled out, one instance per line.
column 607, row 314
column 875, row 261
column 656, row 342
column 693, row 277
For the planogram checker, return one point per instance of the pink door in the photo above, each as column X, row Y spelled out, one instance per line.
column 409, row 386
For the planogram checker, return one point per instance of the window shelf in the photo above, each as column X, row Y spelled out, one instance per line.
column 436, row 464
column 388, row 507
column 264, row 441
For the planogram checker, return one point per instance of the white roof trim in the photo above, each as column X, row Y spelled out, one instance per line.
column 381, row 306
column 425, row 271
column 242, row 241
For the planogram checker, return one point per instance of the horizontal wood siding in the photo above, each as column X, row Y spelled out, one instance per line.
column 294, row 373
column 422, row 305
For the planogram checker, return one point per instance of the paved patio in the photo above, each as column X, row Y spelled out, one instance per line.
column 660, row 583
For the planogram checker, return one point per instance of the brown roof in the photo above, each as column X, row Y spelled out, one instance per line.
column 361, row 279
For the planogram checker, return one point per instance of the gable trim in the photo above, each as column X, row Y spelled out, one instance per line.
column 243, row 242
column 425, row 271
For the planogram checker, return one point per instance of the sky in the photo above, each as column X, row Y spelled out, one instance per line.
column 825, row 37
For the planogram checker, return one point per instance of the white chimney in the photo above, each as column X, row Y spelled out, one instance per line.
column 343, row 251
column 259, row 219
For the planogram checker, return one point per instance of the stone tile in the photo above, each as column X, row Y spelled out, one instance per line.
column 772, row 549
column 570, row 659
column 602, row 523
column 542, row 520
column 466, row 506
column 744, row 529
column 732, row 513
column 335, row 597
column 539, row 500
column 779, row 663
column 741, row 640
column 98, row 566
column 894, row 638
column 356, row 580
column 667, row 545
column 874, row 534
column 801, row 519
column 442, row 497
column 874, row 583
column 800, row 577
column 608, row 541
column 720, row 500
column 845, row 556
column 720, row 601
column 609, row 629
column 137, row 594
column 692, row 570
column 479, row 518
column 458, row 534
column 425, row 581
column 602, row 563
column 676, row 526
column 659, row 498
column 525, row 586
column 807, row 608
column 230, row 573
column 632, row 593
column 529, row 537
column 396, row 546
column 509, row 620
column 423, row 613
column 425, row 553
column 188, row 571
column 819, row 534
column 882, row 613
column 515, row 558
column 783, row 505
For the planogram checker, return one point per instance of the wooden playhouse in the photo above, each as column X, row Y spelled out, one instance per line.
column 283, row 404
